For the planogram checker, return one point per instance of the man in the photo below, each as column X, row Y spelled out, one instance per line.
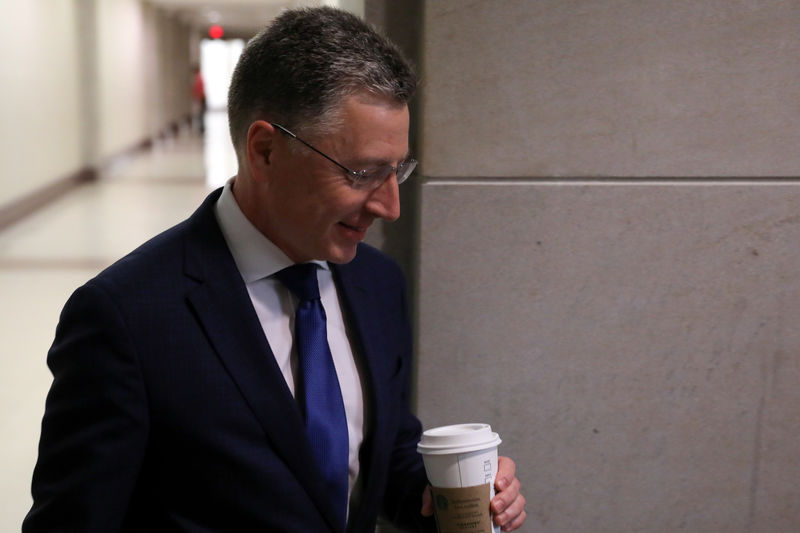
column 183, row 398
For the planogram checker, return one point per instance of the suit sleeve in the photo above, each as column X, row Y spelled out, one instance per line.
column 407, row 479
column 95, row 425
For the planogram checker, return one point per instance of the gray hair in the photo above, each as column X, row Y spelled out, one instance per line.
column 302, row 66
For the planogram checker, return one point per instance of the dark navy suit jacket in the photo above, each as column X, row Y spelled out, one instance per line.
column 168, row 411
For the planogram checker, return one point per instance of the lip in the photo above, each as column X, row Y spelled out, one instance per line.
column 354, row 231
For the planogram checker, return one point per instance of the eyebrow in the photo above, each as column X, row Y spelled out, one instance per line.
column 362, row 164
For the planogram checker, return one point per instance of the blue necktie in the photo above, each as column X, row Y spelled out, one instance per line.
column 319, row 392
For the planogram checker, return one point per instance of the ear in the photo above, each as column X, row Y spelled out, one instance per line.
column 260, row 144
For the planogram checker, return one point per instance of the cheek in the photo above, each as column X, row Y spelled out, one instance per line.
column 337, row 203
column 315, row 204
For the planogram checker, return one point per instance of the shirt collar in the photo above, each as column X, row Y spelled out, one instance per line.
column 255, row 255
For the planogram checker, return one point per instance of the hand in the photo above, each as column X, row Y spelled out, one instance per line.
column 508, row 505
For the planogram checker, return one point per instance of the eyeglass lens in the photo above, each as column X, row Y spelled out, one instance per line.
column 375, row 178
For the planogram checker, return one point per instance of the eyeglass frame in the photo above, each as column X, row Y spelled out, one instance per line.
column 361, row 179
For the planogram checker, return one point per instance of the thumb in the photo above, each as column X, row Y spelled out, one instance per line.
column 427, row 502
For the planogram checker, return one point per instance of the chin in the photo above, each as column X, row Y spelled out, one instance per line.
column 341, row 256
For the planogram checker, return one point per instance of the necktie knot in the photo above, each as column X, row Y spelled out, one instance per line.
column 301, row 279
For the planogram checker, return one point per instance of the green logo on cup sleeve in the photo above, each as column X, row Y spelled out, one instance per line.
column 441, row 502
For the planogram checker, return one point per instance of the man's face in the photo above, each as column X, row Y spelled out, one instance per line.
column 310, row 209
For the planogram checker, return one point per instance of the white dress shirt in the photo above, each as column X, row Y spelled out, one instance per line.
column 257, row 259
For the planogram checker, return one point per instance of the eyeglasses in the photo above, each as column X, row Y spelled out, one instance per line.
column 364, row 179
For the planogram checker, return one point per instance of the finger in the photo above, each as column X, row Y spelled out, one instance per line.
column 514, row 524
column 508, row 504
column 511, row 515
column 506, row 470
column 505, row 498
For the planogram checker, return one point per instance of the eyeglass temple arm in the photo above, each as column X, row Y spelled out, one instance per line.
column 287, row 132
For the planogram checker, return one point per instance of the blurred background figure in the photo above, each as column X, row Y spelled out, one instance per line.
column 198, row 101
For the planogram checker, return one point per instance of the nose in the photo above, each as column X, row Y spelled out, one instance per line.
column 384, row 202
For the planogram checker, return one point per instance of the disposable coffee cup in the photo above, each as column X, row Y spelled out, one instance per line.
column 461, row 463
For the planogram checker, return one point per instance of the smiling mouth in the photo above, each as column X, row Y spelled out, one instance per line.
column 359, row 229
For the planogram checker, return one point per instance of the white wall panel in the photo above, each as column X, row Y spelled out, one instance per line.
column 39, row 96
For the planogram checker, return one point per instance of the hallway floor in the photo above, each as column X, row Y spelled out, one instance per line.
column 46, row 256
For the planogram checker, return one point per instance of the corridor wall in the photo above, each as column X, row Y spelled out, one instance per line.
column 608, row 270
column 144, row 73
column 84, row 81
column 39, row 112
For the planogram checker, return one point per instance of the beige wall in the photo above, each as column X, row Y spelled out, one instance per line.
column 120, row 55
column 608, row 267
column 143, row 70
column 39, row 114
column 82, row 81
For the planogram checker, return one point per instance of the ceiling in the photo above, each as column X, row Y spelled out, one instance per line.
column 240, row 18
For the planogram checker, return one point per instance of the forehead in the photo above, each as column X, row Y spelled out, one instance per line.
column 372, row 127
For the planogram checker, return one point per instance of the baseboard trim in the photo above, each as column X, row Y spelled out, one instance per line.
column 36, row 200
column 27, row 205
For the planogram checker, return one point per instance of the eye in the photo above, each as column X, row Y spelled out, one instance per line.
column 376, row 174
column 358, row 180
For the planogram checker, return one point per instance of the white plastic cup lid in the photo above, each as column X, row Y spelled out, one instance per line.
column 458, row 438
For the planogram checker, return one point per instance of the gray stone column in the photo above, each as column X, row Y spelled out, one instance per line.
column 608, row 266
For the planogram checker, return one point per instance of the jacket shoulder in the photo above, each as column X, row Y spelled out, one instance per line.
column 164, row 255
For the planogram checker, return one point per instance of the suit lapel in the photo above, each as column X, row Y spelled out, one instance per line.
column 362, row 307
column 223, row 307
